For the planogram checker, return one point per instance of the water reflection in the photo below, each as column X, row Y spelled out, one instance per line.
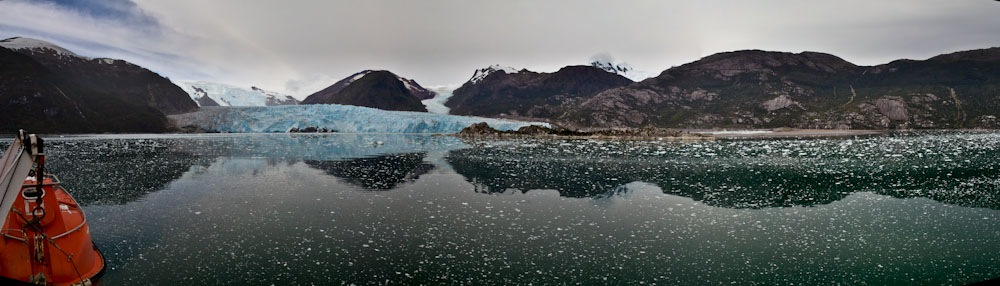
column 284, row 222
column 280, row 209
column 953, row 168
column 376, row 173
column 118, row 171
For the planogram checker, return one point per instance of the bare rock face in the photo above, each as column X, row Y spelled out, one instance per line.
column 989, row 122
column 782, row 101
column 893, row 108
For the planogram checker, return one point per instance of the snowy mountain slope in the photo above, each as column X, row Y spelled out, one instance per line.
column 19, row 43
column 441, row 95
column 34, row 46
column 201, row 97
column 228, row 95
column 619, row 68
column 482, row 73
column 607, row 63
column 342, row 118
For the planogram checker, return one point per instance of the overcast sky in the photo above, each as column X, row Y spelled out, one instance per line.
column 299, row 47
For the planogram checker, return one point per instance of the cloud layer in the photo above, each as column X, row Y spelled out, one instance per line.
column 303, row 46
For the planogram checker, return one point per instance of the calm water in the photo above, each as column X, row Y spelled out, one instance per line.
column 915, row 208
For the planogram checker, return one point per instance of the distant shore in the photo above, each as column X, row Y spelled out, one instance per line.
column 483, row 130
column 783, row 132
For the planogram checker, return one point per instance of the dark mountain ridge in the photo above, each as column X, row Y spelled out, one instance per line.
column 529, row 94
column 370, row 88
column 34, row 98
column 116, row 78
column 377, row 89
column 760, row 89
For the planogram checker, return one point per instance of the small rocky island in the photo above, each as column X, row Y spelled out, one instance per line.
column 483, row 130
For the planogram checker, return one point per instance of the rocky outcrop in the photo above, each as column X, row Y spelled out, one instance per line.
column 893, row 108
column 782, row 101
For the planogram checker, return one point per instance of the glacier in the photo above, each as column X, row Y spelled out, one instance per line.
column 342, row 118
column 441, row 95
column 228, row 95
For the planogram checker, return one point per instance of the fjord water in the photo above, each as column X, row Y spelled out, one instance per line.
column 914, row 208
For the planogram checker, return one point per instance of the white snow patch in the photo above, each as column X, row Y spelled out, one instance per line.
column 359, row 76
column 20, row 43
column 228, row 95
column 606, row 62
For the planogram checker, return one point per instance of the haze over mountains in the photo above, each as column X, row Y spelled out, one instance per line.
column 51, row 89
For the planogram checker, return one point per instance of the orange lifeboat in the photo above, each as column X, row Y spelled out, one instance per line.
column 46, row 238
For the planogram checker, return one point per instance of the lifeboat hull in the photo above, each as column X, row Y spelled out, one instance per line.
column 62, row 253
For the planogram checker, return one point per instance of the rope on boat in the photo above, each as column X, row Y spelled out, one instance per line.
column 69, row 257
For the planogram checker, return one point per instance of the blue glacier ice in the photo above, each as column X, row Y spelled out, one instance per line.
column 342, row 118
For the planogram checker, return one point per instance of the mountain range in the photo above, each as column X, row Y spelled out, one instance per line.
column 46, row 88
column 760, row 89
column 749, row 89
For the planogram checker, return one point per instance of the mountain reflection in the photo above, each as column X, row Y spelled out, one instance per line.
column 383, row 172
column 118, row 171
column 492, row 172
column 727, row 174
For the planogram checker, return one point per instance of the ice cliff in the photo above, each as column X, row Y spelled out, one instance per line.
column 341, row 118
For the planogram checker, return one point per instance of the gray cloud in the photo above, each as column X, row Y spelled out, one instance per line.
column 302, row 46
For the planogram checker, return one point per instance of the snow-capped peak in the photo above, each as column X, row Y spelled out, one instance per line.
column 606, row 62
column 409, row 84
column 19, row 43
column 480, row 74
column 620, row 68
